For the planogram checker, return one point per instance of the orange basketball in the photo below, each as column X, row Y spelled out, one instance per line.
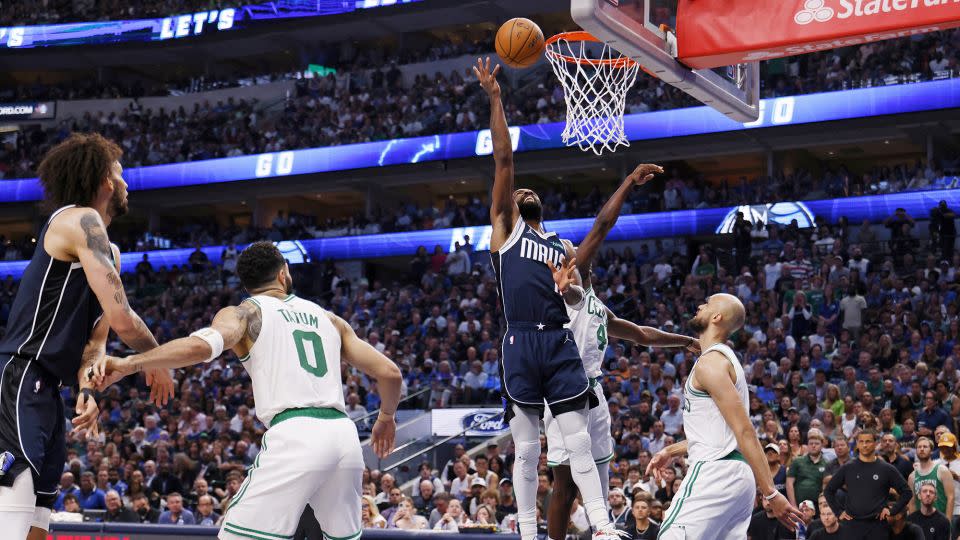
column 520, row 43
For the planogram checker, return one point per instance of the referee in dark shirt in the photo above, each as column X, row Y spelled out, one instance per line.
column 867, row 482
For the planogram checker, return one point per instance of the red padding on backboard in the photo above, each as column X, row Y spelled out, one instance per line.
column 714, row 33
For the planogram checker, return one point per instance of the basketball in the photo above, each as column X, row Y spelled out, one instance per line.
column 519, row 43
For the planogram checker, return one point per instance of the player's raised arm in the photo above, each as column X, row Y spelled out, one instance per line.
column 229, row 329
column 647, row 335
column 715, row 376
column 362, row 355
column 503, row 208
column 610, row 212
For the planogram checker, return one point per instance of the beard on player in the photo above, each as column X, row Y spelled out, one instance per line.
column 699, row 322
column 118, row 202
column 287, row 282
column 531, row 209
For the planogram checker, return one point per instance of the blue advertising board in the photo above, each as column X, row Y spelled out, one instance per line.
column 783, row 111
column 176, row 26
column 681, row 223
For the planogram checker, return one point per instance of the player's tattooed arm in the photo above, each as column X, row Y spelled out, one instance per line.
column 233, row 323
column 254, row 320
column 95, row 235
column 100, row 263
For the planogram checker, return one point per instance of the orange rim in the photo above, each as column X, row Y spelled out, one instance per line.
column 581, row 35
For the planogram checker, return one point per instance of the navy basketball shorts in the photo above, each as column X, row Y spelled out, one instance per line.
column 543, row 365
column 32, row 425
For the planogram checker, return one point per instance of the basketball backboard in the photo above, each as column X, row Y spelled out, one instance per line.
column 644, row 31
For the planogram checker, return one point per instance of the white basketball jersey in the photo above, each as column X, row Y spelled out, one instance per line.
column 295, row 362
column 709, row 438
column 588, row 322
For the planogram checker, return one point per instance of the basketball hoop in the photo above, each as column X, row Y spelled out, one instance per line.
column 595, row 80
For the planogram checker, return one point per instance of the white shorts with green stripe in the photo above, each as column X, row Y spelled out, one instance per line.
column 598, row 427
column 313, row 459
column 715, row 502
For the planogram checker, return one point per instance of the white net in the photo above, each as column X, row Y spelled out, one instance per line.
column 595, row 81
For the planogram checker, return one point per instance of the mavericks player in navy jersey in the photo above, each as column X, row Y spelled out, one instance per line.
column 69, row 297
column 540, row 361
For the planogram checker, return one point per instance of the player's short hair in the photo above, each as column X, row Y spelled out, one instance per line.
column 259, row 264
column 72, row 171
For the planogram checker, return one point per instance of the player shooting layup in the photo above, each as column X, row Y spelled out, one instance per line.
column 592, row 323
column 539, row 361
column 69, row 298
column 716, row 498
column 292, row 349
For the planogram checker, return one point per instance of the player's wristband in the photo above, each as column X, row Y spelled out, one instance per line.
column 89, row 393
column 771, row 496
column 213, row 339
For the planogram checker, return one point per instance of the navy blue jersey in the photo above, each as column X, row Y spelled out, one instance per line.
column 53, row 315
column 527, row 289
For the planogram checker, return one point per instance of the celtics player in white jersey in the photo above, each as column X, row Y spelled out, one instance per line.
column 726, row 463
column 292, row 350
column 592, row 324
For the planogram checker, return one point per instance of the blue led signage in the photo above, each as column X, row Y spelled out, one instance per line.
column 708, row 221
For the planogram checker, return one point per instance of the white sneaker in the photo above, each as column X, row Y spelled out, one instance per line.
column 610, row 532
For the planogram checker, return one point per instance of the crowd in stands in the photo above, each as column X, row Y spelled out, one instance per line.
column 845, row 334
column 361, row 104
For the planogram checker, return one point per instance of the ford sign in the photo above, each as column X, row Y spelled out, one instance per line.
column 484, row 422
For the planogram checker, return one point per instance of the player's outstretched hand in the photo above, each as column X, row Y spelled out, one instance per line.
column 564, row 274
column 383, row 436
column 787, row 513
column 658, row 463
column 161, row 386
column 693, row 346
column 87, row 419
column 106, row 371
column 644, row 173
column 488, row 79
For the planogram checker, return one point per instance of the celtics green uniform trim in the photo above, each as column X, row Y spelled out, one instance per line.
column 254, row 533
column 675, row 510
column 350, row 537
column 310, row 412
column 246, row 482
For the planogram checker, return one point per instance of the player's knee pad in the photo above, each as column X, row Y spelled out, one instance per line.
column 41, row 518
column 19, row 496
column 578, row 447
column 527, row 459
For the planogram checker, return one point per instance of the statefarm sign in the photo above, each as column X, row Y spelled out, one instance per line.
column 714, row 33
